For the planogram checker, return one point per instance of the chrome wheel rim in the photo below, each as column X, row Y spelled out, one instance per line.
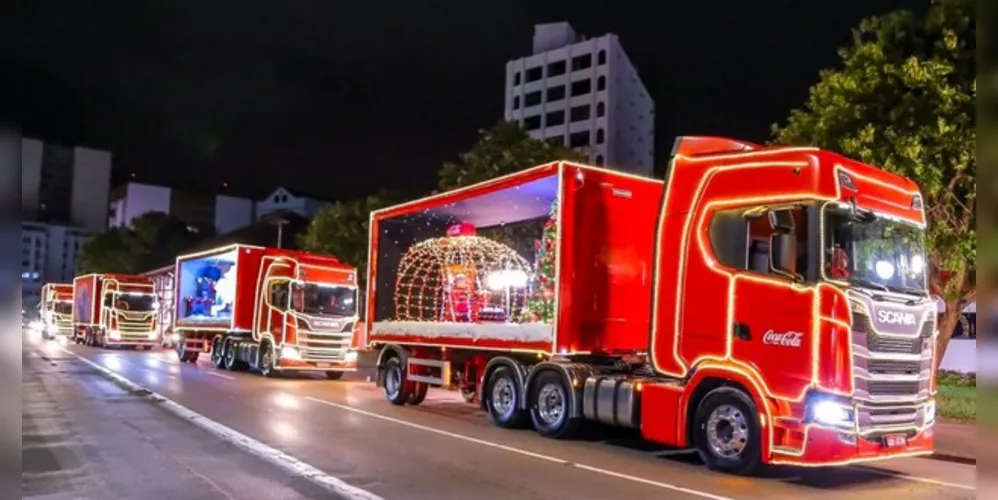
column 393, row 381
column 727, row 431
column 551, row 404
column 266, row 360
column 503, row 397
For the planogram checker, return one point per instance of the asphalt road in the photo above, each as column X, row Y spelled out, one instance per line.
column 446, row 448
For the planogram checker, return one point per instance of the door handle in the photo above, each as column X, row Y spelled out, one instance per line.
column 741, row 331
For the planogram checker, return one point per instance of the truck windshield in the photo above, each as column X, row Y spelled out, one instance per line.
column 324, row 300
column 134, row 301
column 872, row 251
column 62, row 308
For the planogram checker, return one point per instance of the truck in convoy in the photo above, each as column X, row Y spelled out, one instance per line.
column 763, row 305
column 115, row 310
column 269, row 309
column 163, row 281
column 56, row 310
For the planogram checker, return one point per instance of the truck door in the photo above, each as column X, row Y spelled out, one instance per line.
column 772, row 305
column 275, row 308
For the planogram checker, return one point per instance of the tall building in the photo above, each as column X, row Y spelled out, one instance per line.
column 222, row 212
column 48, row 255
column 586, row 94
column 64, row 185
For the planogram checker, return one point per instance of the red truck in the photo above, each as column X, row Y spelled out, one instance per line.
column 763, row 305
column 56, row 310
column 270, row 309
column 112, row 310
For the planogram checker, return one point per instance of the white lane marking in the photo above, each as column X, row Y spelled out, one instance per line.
column 917, row 479
column 222, row 375
column 274, row 456
column 531, row 454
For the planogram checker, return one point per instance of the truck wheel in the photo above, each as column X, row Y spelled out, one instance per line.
column 232, row 361
column 503, row 401
column 181, row 349
column 267, row 361
column 418, row 395
column 727, row 435
column 549, row 406
column 395, row 384
column 334, row 375
column 217, row 354
column 192, row 357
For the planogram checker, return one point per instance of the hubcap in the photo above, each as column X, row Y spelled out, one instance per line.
column 393, row 381
column 266, row 361
column 727, row 431
column 551, row 404
column 503, row 397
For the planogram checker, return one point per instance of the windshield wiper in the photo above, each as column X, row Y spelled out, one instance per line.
column 870, row 284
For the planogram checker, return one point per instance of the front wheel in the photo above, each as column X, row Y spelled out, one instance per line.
column 267, row 361
column 395, row 384
column 726, row 435
column 334, row 375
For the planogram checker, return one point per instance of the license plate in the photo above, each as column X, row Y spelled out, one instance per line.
column 322, row 365
column 895, row 441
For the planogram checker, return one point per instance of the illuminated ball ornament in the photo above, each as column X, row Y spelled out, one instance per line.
column 461, row 277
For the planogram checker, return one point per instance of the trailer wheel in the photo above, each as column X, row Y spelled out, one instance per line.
column 192, row 357
column 232, row 361
column 727, row 435
column 549, row 406
column 217, row 354
column 395, row 383
column 418, row 395
column 502, row 399
column 147, row 348
column 181, row 349
column 334, row 375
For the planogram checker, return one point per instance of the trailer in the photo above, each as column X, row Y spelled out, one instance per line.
column 163, row 284
column 270, row 309
column 763, row 305
column 115, row 310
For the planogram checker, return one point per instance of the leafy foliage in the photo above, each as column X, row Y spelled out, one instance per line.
column 503, row 149
column 904, row 99
column 153, row 240
column 342, row 230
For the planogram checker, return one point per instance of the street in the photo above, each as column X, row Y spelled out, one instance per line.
column 447, row 448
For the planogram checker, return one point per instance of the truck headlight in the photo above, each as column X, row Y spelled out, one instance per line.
column 36, row 325
column 350, row 357
column 930, row 412
column 832, row 413
column 115, row 335
column 288, row 352
column 152, row 336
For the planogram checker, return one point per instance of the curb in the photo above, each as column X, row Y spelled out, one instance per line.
column 281, row 460
column 956, row 459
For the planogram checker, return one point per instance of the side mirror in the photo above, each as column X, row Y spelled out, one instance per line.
column 783, row 255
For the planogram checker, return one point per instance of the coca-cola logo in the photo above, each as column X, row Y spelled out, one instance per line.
column 784, row 339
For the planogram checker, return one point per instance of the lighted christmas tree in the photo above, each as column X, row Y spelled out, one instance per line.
column 541, row 304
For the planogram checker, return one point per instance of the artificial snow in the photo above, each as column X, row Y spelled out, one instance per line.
column 510, row 332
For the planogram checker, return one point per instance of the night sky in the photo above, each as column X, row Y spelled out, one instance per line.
column 340, row 98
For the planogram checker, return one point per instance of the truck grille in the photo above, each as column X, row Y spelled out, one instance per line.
column 326, row 346
column 891, row 367
column 893, row 345
column 892, row 388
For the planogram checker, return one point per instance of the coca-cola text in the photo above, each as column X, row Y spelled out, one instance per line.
column 785, row 339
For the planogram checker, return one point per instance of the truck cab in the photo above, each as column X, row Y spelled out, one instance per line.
column 56, row 310
column 112, row 310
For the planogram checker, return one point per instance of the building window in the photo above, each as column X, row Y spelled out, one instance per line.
column 534, row 74
column 580, row 113
column 599, row 160
column 600, row 109
column 582, row 87
column 557, row 68
column 555, row 140
column 601, row 57
column 554, row 119
column 532, row 99
column 578, row 139
column 516, row 102
column 584, row 61
column 600, row 136
column 601, row 83
column 532, row 122
column 516, row 78
column 556, row 93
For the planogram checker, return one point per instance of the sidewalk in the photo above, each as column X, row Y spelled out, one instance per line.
column 83, row 437
column 956, row 441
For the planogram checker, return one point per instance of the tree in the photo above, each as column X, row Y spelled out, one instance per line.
column 503, row 149
column 153, row 240
column 904, row 99
column 342, row 230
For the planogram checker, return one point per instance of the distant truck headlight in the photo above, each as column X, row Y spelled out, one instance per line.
column 291, row 353
column 114, row 335
column 152, row 335
column 351, row 357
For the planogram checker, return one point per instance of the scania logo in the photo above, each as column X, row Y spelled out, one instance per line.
column 896, row 318
column 785, row 339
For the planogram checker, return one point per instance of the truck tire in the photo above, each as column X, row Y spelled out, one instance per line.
column 192, row 357
column 218, row 354
column 181, row 350
column 334, row 375
column 503, row 395
column 418, row 395
column 232, row 361
column 395, row 383
column 267, row 361
column 549, row 406
column 727, row 435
